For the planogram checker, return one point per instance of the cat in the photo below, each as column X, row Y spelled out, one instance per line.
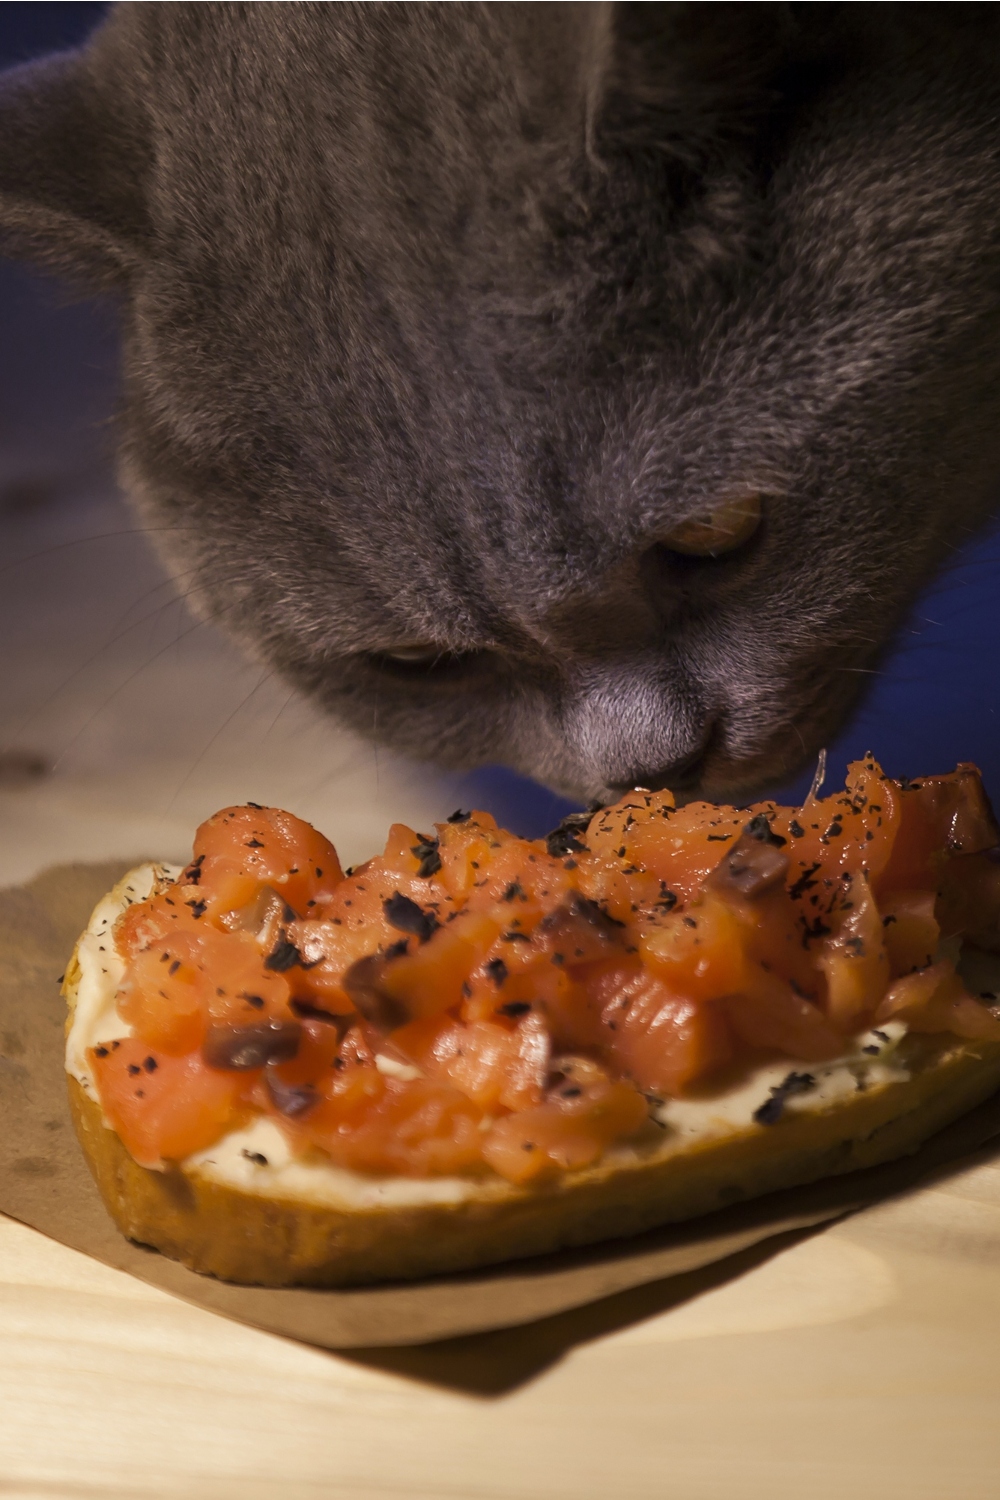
column 584, row 387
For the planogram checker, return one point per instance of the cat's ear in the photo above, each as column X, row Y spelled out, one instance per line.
column 70, row 170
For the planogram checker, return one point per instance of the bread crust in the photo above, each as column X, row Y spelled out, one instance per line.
column 256, row 1239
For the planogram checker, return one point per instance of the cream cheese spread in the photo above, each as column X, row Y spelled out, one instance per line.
column 257, row 1157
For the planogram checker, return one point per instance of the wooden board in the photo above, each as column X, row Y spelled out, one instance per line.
column 860, row 1360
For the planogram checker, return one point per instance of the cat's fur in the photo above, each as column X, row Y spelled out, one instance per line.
column 439, row 318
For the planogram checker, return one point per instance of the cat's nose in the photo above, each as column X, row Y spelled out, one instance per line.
column 639, row 724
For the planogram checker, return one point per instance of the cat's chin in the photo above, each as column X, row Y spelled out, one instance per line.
column 722, row 778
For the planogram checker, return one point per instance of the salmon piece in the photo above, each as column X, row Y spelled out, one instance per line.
column 164, row 1107
column 585, row 1111
column 497, row 1066
column 429, row 977
column 698, row 952
column 163, row 996
column 659, row 1038
column 910, row 930
column 852, row 831
column 677, row 847
column 241, row 848
column 466, row 850
column 854, row 962
column 414, row 1129
column 940, row 816
column 770, row 1016
column 935, row 999
column 193, row 976
column 150, row 922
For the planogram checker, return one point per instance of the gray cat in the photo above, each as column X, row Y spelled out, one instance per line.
column 584, row 387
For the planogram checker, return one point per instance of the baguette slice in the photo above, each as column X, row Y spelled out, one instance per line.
column 267, row 1232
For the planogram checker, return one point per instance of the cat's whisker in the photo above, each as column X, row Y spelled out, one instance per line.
column 292, row 694
column 265, row 676
column 166, row 583
column 378, row 689
column 331, row 774
column 78, row 541
column 196, row 625
column 105, row 647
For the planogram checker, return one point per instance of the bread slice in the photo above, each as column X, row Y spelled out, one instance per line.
column 267, row 1232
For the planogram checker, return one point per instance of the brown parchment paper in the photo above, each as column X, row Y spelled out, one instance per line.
column 45, row 1182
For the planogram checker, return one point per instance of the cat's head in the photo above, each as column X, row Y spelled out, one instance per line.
column 586, row 388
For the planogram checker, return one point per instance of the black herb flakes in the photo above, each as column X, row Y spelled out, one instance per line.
column 760, row 828
column 770, row 1112
column 406, row 916
column 804, row 883
column 284, row 955
column 458, row 816
column 562, row 841
column 309, row 1012
column 817, row 928
column 497, row 970
column 514, row 1008
column 426, row 851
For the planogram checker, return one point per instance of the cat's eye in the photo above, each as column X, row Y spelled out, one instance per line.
column 727, row 526
column 423, row 659
column 413, row 654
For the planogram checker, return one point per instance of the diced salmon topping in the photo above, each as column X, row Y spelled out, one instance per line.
column 470, row 1001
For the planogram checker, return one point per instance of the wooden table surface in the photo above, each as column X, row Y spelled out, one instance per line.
column 861, row 1360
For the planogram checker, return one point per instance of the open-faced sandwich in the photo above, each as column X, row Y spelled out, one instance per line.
column 476, row 1047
